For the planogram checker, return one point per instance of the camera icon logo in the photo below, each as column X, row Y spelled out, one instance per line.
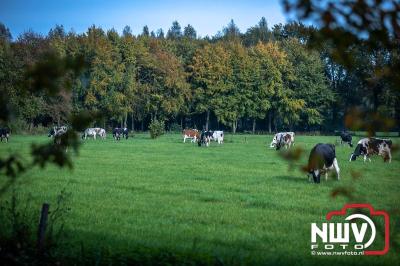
column 349, row 237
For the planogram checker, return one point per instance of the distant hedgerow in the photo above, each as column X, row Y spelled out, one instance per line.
column 175, row 127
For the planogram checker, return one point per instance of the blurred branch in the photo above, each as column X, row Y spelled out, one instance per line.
column 372, row 122
column 292, row 156
column 50, row 75
column 372, row 24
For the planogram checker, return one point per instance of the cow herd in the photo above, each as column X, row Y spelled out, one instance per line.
column 204, row 137
column 322, row 157
column 94, row 132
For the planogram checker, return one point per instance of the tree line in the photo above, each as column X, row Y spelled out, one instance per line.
column 263, row 79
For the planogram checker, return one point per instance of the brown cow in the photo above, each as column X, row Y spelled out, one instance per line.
column 192, row 134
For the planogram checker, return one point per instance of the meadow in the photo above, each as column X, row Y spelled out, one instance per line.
column 233, row 204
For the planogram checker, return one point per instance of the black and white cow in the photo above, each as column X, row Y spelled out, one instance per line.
column 89, row 132
column 218, row 136
column 101, row 132
column 4, row 134
column 373, row 146
column 282, row 139
column 345, row 137
column 120, row 132
column 56, row 133
column 322, row 158
column 95, row 131
column 205, row 138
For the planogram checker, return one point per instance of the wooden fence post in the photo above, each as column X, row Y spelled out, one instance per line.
column 42, row 226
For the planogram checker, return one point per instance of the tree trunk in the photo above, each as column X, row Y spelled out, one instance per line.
column 142, row 126
column 133, row 122
column 254, row 125
column 126, row 119
column 234, row 126
column 207, row 119
column 270, row 122
column 182, row 122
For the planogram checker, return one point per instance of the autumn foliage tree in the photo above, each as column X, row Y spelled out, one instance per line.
column 262, row 79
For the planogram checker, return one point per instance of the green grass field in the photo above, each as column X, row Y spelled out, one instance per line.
column 237, row 203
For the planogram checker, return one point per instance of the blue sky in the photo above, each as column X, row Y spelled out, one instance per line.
column 207, row 17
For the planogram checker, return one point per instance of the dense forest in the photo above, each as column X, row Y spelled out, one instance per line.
column 263, row 79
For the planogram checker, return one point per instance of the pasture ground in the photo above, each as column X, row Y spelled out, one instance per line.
column 236, row 203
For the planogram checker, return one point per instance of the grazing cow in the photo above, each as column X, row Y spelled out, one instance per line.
column 322, row 158
column 282, row 139
column 345, row 137
column 89, row 132
column 205, row 138
column 56, row 133
column 118, row 132
column 373, row 146
column 101, row 132
column 192, row 134
column 96, row 131
column 218, row 136
column 4, row 134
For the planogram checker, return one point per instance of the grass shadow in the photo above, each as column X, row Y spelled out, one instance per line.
column 292, row 179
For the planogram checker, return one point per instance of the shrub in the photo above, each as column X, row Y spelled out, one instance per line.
column 39, row 130
column 20, row 126
column 175, row 127
column 157, row 128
